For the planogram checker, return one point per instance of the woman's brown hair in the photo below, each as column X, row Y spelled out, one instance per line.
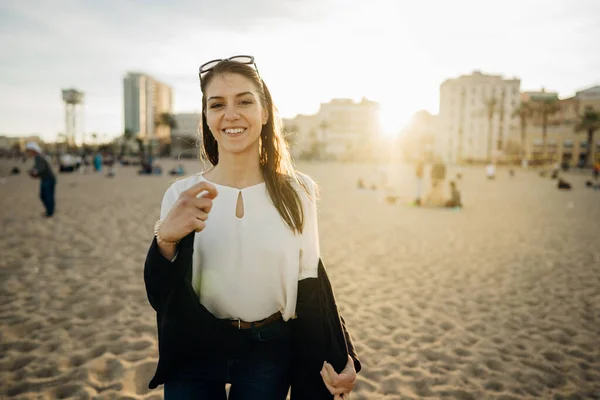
column 275, row 160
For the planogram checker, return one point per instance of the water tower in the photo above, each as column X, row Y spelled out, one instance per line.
column 73, row 114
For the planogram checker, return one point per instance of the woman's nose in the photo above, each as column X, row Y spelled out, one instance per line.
column 231, row 114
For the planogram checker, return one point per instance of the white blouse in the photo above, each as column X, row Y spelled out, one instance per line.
column 248, row 268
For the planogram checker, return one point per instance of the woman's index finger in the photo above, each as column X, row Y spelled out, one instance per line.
column 209, row 189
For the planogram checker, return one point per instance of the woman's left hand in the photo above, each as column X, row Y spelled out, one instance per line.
column 340, row 385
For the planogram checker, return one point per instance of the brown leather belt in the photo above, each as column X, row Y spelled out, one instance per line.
column 239, row 324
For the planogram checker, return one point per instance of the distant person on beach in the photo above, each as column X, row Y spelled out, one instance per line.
column 454, row 196
column 555, row 171
column 177, row 171
column 42, row 169
column 435, row 197
column 98, row 162
column 256, row 239
column 563, row 185
column 459, row 172
column 146, row 167
column 85, row 163
column 596, row 170
column 419, row 173
column 438, row 171
column 110, row 162
column 490, row 171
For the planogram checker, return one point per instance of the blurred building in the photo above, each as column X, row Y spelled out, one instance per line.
column 417, row 141
column 302, row 134
column 145, row 100
column 541, row 95
column 342, row 129
column 18, row 143
column 7, row 142
column 564, row 145
column 185, row 136
column 475, row 118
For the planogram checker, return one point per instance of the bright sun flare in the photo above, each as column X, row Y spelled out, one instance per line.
column 394, row 117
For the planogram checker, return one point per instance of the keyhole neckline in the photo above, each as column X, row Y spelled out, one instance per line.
column 218, row 185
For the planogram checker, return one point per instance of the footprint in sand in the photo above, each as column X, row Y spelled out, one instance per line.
column 71, row 391
column 46, row 371
column 143, row 373
column 462, row 395
column 411, row 373
column 77, row 360
column 494, row 365
column 363, row 385
column 22, row 346
column 107, row 370
column 494, row 386
column 462, row 352
column 18, row 363
column 149, row 329
column 401, row 338
column 97, row 351
column 553, row 356
column 117, row 348
column 135, row 356
column 391, row 385
column 421, row 388
column 447, row 326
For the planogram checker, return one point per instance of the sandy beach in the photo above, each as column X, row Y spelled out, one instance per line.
column 500, row 300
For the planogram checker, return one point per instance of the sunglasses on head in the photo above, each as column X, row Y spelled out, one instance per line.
column 247, row 60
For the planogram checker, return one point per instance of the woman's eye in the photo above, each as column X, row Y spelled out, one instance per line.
column 216, row 105
column 245, row 102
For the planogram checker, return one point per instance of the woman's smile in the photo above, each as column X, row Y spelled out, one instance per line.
column 234, row 132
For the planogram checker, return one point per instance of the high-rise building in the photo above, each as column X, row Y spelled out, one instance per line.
column 144, row 101
column 475, row 119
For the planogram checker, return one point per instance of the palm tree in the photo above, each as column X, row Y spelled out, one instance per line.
column 461, row 122
column 168, row 120
column 545, row 108
column 524, row 112
column 127, row 136
column 500, row 141
column 322, row 138
column 141, row 147
column 589, row 122
column 490, row 107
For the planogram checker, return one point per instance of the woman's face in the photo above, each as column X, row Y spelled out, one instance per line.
column 234, row 113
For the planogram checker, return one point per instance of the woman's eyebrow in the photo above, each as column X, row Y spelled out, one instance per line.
column 237, row 95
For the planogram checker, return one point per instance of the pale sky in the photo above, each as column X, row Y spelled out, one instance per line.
column 307, row 51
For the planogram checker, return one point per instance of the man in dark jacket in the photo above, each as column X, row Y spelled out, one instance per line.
column 43, row 170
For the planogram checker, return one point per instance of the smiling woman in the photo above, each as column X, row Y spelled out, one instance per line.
column 248, row 266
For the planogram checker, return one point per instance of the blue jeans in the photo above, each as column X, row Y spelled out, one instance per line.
column 261, row 374
column 47, row 195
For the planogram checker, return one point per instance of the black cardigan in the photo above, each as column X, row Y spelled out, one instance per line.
column 187, row 331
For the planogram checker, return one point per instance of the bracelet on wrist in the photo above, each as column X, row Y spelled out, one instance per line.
column 159, row 239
